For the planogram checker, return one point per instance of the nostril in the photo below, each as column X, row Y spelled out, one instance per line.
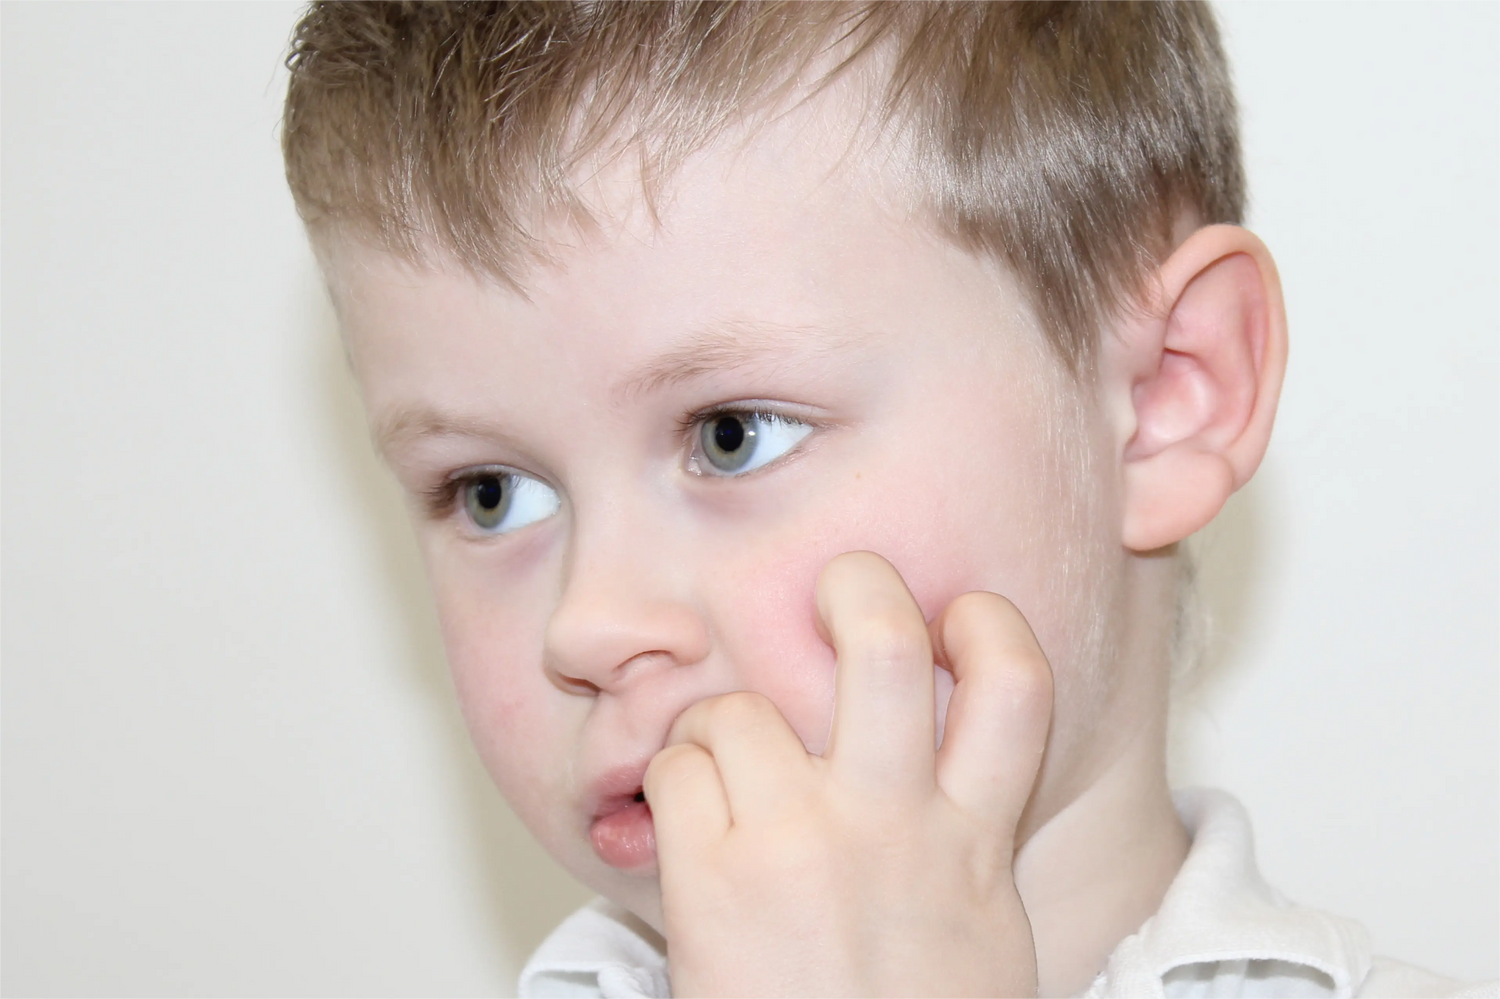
column 574, row 685
column 609, row 630
column 640, row 796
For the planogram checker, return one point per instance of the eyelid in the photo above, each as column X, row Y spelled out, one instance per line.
column 441, row 500
column 787, row 412
column 763, row 407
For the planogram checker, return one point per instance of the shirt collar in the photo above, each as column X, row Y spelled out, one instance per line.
column 601, row 950
column 1219, row 910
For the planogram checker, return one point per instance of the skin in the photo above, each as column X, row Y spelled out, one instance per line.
column 787, row 694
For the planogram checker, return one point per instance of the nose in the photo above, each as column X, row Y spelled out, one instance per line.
column 622, row 615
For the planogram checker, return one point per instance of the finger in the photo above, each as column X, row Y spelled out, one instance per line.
column 759, row 757
column 688, row 807
column 1000, row 710
column 883, row 727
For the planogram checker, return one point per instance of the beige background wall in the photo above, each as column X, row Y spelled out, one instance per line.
column 230, row 764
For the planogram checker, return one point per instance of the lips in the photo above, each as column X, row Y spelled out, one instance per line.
column 621, row 831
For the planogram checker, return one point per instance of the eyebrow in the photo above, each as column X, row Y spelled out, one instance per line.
column 416, row 422
column 704, row 351
column 731, row 345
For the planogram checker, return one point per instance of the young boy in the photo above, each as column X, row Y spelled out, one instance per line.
column 801, row 407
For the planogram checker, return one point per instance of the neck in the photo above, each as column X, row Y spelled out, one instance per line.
column 1096, row 870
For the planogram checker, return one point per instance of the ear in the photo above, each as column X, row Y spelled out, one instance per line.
column 1192, row 384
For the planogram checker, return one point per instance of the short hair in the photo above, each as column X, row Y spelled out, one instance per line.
column 1066, row 140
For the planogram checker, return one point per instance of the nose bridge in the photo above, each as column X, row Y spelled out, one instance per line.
column 623, row 607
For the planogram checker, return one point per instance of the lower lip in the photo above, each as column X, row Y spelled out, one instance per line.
column 626, row 839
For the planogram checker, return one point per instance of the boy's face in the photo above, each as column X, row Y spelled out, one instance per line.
column 673, row 431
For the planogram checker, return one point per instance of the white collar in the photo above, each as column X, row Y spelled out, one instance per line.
column 1217, row 914
column 602, row 950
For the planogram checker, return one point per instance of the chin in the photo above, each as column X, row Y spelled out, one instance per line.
column 640, row 893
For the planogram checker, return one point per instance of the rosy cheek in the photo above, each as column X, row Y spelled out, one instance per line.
column 502, row 696
column 768, row 633
column 771, row 634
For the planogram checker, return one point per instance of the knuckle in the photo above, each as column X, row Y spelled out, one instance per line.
column 740, row 707
column 669, row 766
column 884, row 640
column 1028, row 678
column 739, row 711
column 740, row 715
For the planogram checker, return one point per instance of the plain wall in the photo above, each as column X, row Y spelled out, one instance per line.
column 231, row 764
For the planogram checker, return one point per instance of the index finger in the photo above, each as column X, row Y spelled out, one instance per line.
column 883, row 715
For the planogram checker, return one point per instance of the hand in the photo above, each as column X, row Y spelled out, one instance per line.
column 882, row 867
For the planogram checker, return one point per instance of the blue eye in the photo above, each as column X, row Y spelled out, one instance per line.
column 500, row 502
column 733, row 443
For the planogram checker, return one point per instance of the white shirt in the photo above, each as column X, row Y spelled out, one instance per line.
column 1220, row 931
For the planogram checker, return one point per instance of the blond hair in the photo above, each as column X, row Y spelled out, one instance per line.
column 1066, row 140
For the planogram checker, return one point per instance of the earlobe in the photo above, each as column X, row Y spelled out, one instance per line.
column 1199, row 378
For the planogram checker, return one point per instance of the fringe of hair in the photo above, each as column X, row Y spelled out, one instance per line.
column 1063, row 139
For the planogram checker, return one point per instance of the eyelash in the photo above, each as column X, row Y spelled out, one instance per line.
column 688, row 424
column 441, row 500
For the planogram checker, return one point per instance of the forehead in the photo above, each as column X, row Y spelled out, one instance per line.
column 790, row 240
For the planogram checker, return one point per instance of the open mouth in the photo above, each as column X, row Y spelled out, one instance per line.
column 623, row 834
